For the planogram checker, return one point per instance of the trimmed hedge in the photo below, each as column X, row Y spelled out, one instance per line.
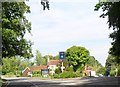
column 65, row 74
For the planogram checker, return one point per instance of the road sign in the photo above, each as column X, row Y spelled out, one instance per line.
column 62, row 55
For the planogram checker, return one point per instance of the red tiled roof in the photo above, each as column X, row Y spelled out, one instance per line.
column 54, row 62
column 34, row 68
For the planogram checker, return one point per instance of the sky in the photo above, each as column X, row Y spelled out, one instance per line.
column 68, row 23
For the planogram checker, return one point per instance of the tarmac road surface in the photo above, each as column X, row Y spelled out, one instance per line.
column 74, row 82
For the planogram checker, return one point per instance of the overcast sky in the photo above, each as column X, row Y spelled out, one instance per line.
column 68, row 23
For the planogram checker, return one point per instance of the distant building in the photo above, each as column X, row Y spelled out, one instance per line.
column 89, row 71
column 28, row 71
column 51, row 67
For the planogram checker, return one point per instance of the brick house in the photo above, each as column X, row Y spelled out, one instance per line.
column 51, row 66
column 28, row 71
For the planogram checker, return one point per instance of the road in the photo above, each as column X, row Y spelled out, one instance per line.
column 75, row 82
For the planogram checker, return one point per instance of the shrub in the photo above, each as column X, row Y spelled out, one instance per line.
column 58, row 70
column 36, row 73
column 65, row 74
column 10, row 73
column 18, row 73
column 78, row 74
column 112, row 73
column 69, row 69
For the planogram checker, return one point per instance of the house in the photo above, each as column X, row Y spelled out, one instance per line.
column 25, row 72
column 28, row 71
column 51, row 67
column 89, row 71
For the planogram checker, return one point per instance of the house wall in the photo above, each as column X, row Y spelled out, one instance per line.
column 25, row 72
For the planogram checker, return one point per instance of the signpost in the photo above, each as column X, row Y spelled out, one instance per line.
column 62, row 57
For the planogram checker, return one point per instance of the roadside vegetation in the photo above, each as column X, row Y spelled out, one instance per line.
column 13, row 66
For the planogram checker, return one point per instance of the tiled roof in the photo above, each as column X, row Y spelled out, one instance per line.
column 34, row 68
column 54, row 62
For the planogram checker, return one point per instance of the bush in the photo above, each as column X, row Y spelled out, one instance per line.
column 36, row 73
column 78, row 74
column 69, row 69
column 18, row 73
column 10, row 73
column 112, row 73
column 65, row 74
column 58, row 70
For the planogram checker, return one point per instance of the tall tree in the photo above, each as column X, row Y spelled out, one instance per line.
column 77, row 56
column 111, row 64
column 14, row 27
column 112, row 11
column 39, row 59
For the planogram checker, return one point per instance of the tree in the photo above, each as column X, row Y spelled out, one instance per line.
column 112, row 11
column 56, row 57
column 14, row 27
column 10, row 65
column 77, row 56
column 110, row 64
column 39, row 58
column 14, row 64
column 96, row 65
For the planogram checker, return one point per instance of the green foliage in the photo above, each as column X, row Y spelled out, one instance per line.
column 38, row 58
column 112, row 73
column 66, row 74
column 13, row 65
column 78, row 74
column 95, row 65
column 77, row 56
column 58, row 70
column 100, row 70
column 36, row 73
column 118, row 72
column 112, row 66
column 112, row 11
column 14, row 27
column 10, row 73
column 70, row 69
column 10, row 65
column 56, row 57
column 18, row 73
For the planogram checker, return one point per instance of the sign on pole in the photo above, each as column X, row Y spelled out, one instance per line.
column 62, row 55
